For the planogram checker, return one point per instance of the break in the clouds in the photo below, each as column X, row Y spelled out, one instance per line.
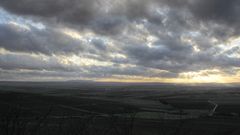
column 127, row 40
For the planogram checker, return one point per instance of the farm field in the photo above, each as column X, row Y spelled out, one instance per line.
column 105, row 108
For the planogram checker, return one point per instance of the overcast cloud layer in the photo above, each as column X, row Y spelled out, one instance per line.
column 131, row 40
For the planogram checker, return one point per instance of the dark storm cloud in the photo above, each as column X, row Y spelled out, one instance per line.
column 108, row 25
column 224, row 12
column 92, row 13
column 80, row 10
column 81, row 13
column 221, row 10
column 73, row 10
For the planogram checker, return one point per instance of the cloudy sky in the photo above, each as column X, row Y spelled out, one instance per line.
column 180, row 41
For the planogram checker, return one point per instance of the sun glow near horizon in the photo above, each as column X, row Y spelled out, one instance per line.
column 120, row 41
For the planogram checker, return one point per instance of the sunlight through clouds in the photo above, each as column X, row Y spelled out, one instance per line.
column 129, row 40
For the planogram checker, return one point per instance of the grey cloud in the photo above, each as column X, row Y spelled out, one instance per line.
column 109, row 71
column 111, row 18
column 22, row 64
column 212, row 18
column 108, row 25
column 26, row 62
column 74, row 10
column 75, row 13
column 223, row 12
column 171, row 54
column 91, row 11
column 37, row 41
column 36, row 75
column 99, row 44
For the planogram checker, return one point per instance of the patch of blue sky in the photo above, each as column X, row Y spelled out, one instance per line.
column 6, row 17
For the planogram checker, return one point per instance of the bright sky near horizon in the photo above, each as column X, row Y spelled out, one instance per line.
column 175, row 41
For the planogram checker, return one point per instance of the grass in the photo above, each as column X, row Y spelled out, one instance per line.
column 79, row 110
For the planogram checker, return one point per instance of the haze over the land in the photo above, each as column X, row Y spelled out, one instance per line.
column 120, row 40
